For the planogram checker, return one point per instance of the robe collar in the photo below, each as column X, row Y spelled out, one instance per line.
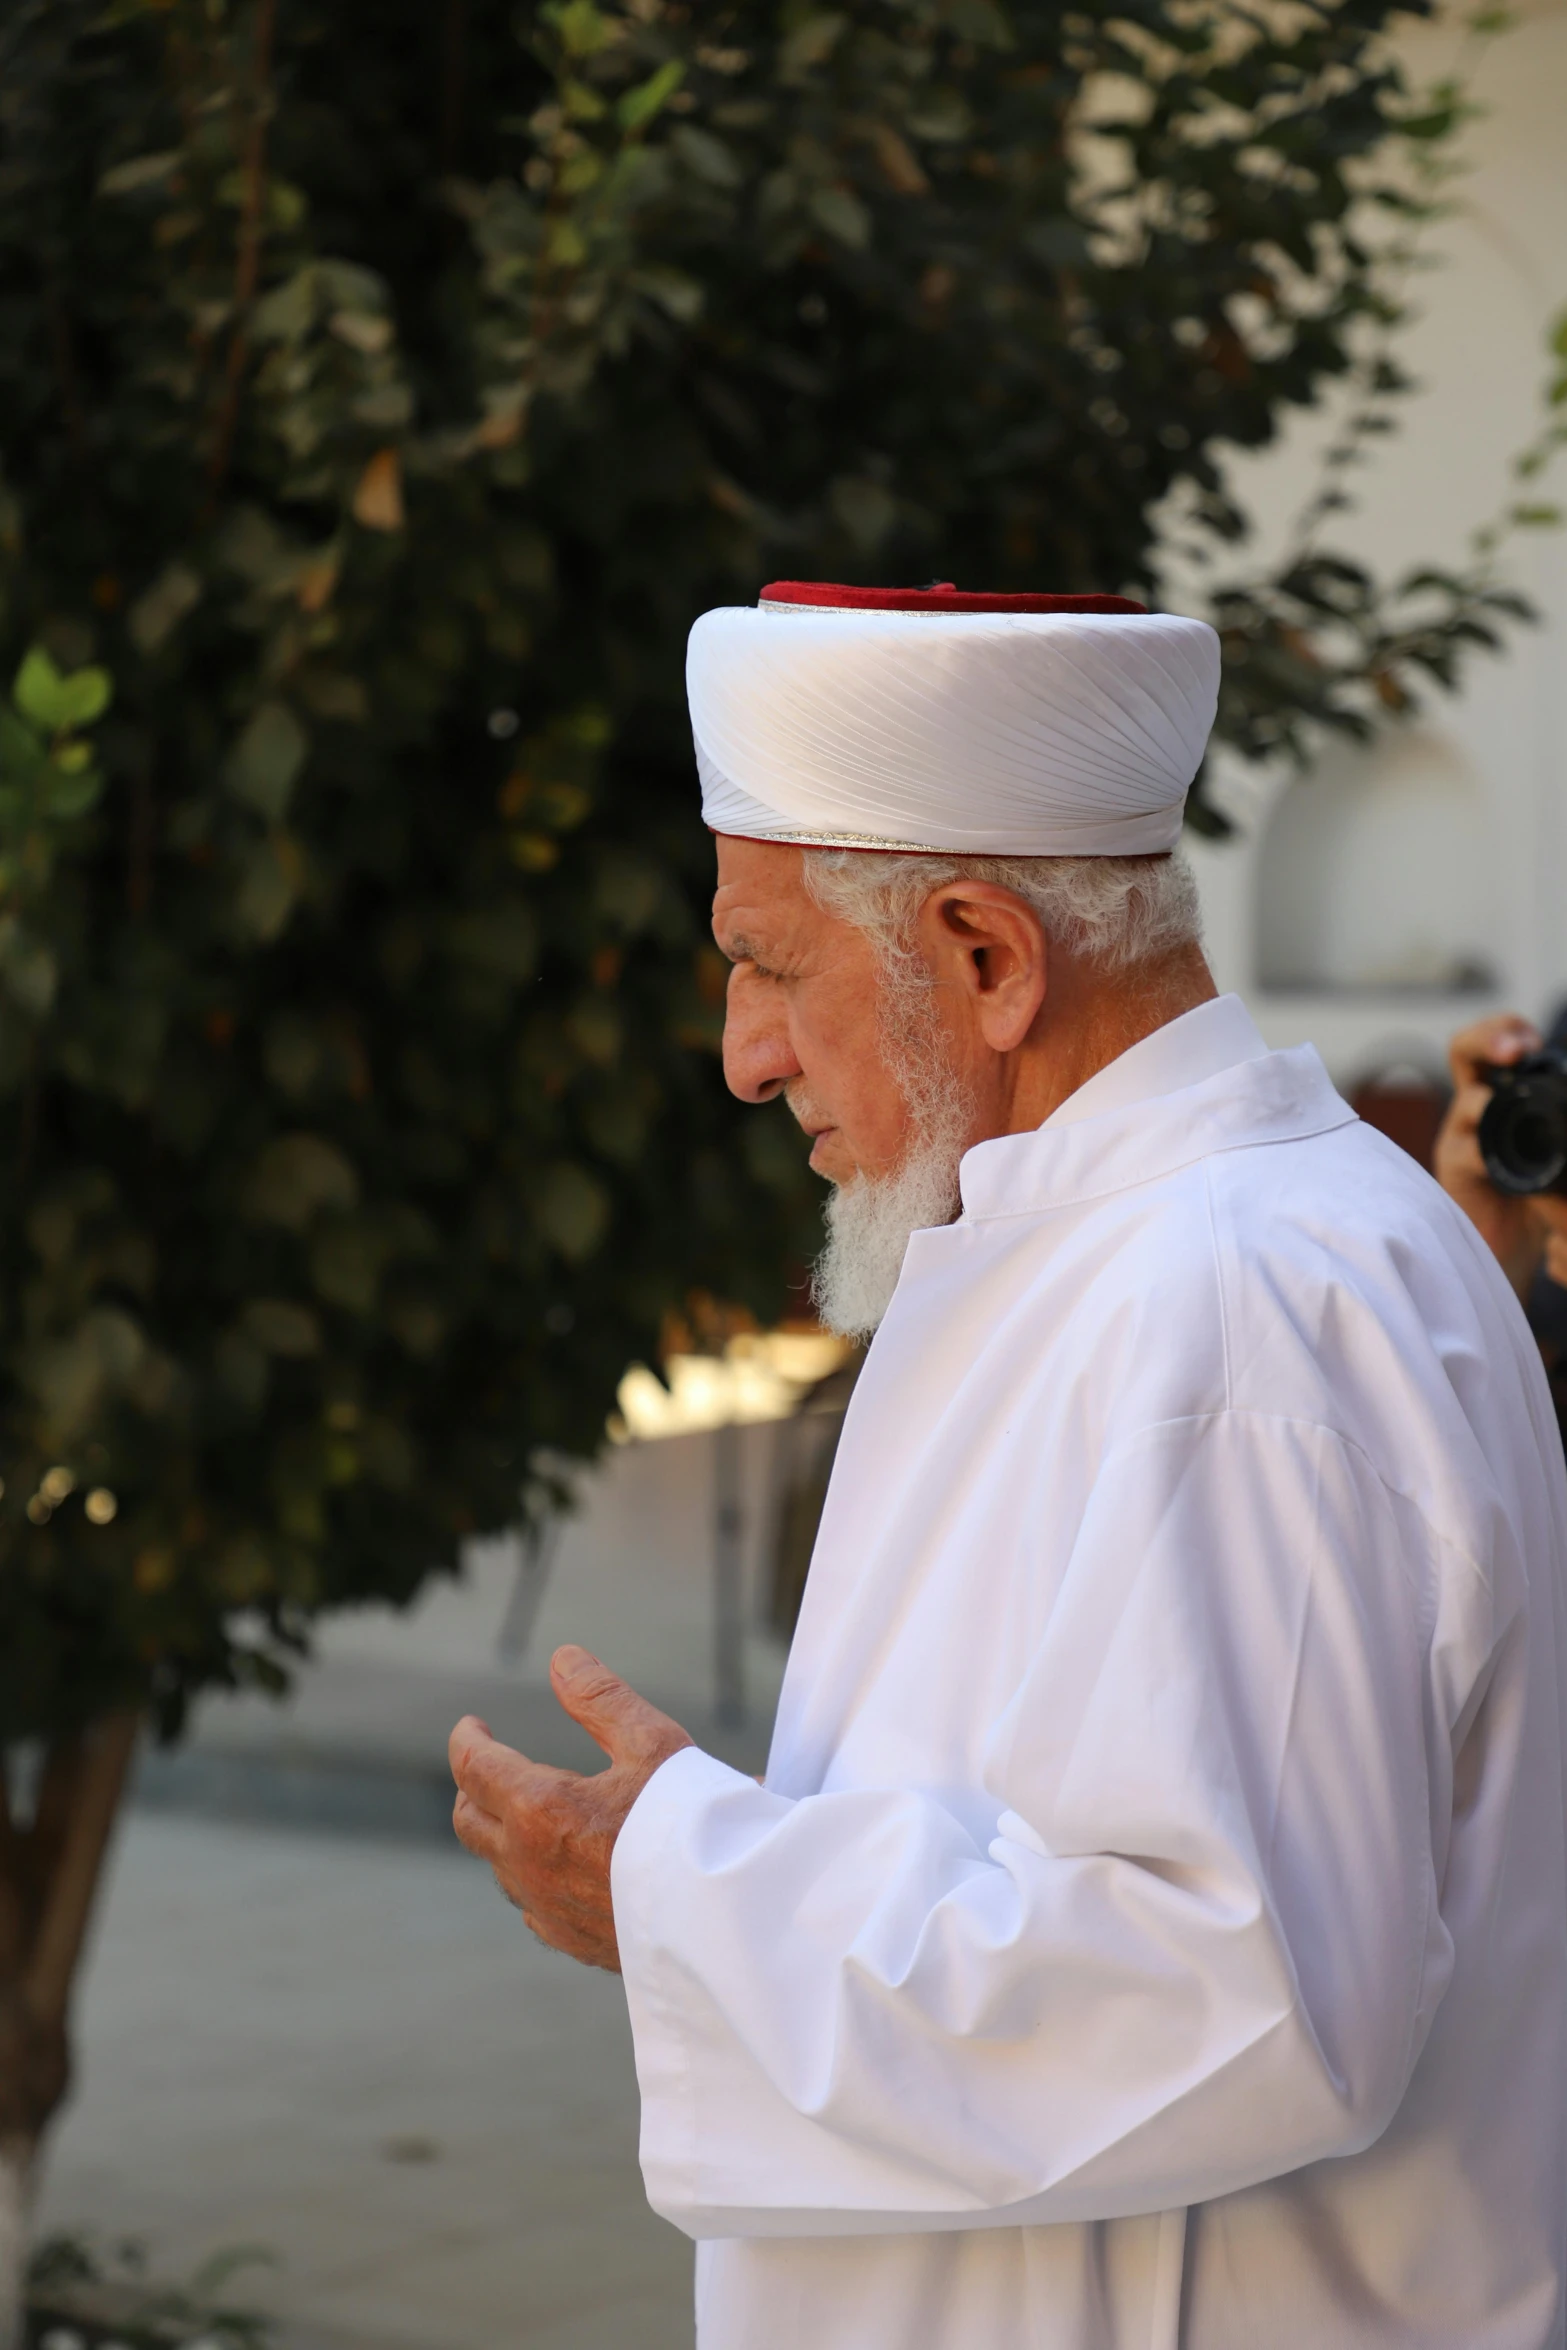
column 1205, row 1082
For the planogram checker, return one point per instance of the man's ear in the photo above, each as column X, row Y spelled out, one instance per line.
column 991, row 944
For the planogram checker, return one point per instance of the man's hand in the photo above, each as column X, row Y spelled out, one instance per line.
column 548, row 1834
column 1516, row 1231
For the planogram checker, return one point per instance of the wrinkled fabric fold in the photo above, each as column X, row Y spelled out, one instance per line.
column 979, row 734
column 1153, row 1926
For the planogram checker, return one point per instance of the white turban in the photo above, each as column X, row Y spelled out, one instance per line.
column 982, row 726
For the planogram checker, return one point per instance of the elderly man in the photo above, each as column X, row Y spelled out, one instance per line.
column 1152, row 1928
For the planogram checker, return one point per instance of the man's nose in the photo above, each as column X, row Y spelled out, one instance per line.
column 759, row 1060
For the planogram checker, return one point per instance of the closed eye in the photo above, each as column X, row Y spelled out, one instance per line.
column 740, row 951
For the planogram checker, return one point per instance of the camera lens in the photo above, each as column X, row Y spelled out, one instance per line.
column 1523, row 1133
column 1534, row 1148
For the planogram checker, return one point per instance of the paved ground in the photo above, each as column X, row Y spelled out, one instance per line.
column 346, row 2047
column 353, row 2052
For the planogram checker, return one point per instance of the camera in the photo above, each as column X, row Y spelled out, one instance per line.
column 1523, row 1132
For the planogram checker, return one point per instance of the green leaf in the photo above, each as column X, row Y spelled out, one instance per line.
column 638, row 107
column 21, row 752
column 1439, row 122
column 811, row 43
column 280, row 1327
column 942, row 116
column 105, row 1351
column 867, row 511
column 981, row 22
column 87, row 695
column 57, row 702
column 583, row 29
column 72, row 795
column 346, row 1259
column 1061, row 244
column 843, row 216
column 286, row 204
column 583, row 171
column 597, row 1031
column 296, row 1178
column 142, row 171
column 502, row 939
column 589, row 728
column 288, row 311
column 561, row 806
column 268, row 889
column 572, row 1210
column 29, row 968
column 707, row 156
column 158, row 611
column 366, row 331
column 567, row 247
column 263, row 766
column 675, row 293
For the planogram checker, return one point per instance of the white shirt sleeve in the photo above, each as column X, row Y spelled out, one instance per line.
column 1203, row 1946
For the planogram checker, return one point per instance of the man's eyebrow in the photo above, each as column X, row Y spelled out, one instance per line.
column 737, row 949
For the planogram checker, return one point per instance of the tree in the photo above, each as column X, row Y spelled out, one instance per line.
column 382, row 392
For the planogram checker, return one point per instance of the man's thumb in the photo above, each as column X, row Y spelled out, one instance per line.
column 609, row 1709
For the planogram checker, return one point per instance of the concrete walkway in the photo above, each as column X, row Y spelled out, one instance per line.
column 354, row 2053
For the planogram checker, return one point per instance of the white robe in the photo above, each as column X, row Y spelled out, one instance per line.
column 1153, row 1929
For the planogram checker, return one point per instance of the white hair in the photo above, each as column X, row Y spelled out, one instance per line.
column 1116, row 912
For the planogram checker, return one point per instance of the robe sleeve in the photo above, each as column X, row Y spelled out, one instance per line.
column 1202, row 1946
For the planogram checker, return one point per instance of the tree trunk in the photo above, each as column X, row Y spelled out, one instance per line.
column 50, row 1865
column 16, row 2184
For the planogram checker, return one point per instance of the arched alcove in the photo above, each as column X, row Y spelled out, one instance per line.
column 1376, row 874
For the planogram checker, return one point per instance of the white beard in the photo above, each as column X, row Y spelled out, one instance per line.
column 869, row 1220
column 868, row 1228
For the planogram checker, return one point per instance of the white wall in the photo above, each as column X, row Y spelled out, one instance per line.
column 1447, row 844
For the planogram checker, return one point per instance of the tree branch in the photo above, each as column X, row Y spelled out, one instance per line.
column 99, row 1781
column 247, row 258
column 62, row 352
column 55, row 1799
column 13, row 1884
column 453, row 80
column 139, row 847
column 27, row 1137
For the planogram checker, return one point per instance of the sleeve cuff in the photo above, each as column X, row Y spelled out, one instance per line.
column 645, row 1874
column 637, row 1869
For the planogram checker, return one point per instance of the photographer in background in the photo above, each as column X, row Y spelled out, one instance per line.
column 1527, row 1233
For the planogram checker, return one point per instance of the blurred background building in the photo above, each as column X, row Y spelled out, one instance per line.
column 1389, row 895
